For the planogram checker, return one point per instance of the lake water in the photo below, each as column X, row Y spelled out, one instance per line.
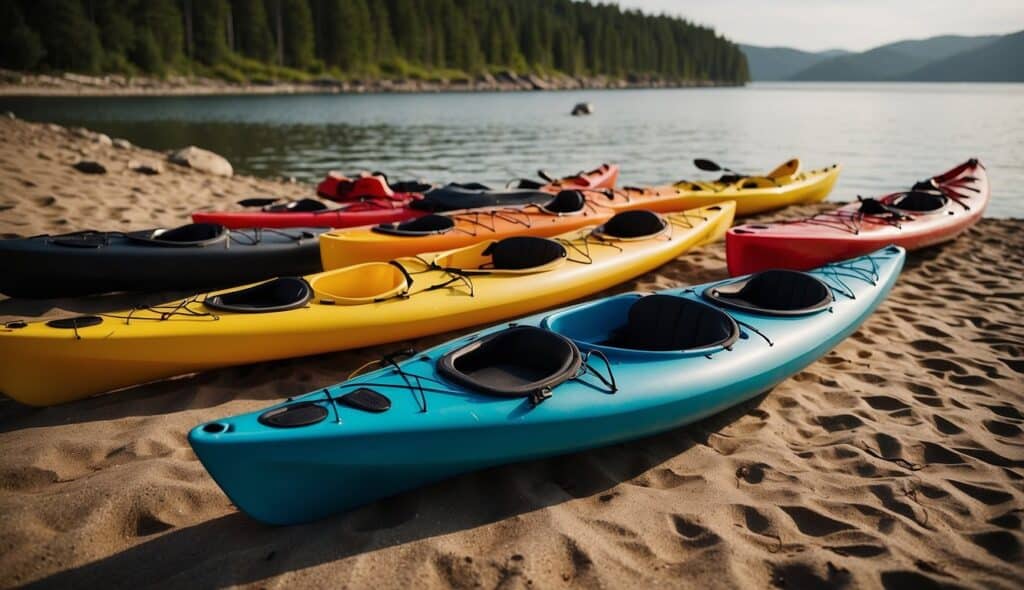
column 885, row 135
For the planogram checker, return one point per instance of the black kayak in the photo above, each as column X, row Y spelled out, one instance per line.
column 194, row 256
column 453, row 197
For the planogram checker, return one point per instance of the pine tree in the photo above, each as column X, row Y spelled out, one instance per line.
column 296, row 33
column 252, row 30
column 209, row 30
column 20, row 47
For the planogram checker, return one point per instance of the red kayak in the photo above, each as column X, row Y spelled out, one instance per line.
column 933, row 211
column 370, row 201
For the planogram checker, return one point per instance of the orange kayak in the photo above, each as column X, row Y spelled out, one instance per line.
column 567, row 211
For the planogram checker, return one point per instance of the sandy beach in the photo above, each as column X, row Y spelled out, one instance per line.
column 896, row 461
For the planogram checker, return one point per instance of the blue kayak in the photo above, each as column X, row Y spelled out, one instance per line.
column 593, row 374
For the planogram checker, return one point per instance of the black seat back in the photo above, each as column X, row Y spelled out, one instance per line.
column 522, row 252
column 631, row 225
column 775, row 292
column 566, row 202
column 422, row 226
column 919, row 202
column 667, row 322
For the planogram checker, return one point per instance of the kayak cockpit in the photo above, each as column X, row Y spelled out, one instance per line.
column 567, row 202
column 299, row 206
column 638, row 224
column 521, row 361
column 280, row 294
column 774, row 292
column 917, row 202
column 515, row 255
column 647, row 324
column 361, row 284
column 421, row 226
column 190, row 235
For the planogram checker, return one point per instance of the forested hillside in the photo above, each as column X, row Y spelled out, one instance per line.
column 298, row 39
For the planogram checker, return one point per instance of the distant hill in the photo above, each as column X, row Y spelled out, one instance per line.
column 780, row 63
column 906, row 60
column 881, row 63
column 1000, row 61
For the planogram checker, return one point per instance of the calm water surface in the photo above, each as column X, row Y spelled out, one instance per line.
column 885, row 135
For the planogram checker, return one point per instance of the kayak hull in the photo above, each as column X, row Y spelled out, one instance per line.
column 135, row 347
column 350, row 215
column 759, row 194
column 294, row 475
column 841, row 234
column 50, row 266
column 379, row 210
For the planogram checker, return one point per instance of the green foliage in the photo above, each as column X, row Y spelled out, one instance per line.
column 21, row 49
column 209, row 30
column 296, row 33
column 266, row 40
column 252, row 30
column 147, row 53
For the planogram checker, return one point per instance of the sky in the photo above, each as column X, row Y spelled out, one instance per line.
column 856, row 25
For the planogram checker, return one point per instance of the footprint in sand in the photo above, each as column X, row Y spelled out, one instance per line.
column 984, row 495
column 885, row 403
column 814, row 523
column 694, row 534
column 945, row 426
column 840, row 422
column 1000, row 428
column 1002, row 544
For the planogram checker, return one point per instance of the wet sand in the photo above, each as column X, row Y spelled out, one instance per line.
column 896, row 461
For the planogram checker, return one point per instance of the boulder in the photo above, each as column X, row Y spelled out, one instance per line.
column 100, row 138
column 122, row 144
column 202, row 160
column 536, row 82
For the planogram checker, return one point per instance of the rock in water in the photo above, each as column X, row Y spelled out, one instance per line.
column 582, row 108
column 202, row 160
column 89, row 167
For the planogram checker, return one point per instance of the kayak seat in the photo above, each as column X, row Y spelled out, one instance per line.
column 919, row 202
column 565, row 203
column 632, row 225
column 280, row 294
column 774, row 292
column 411, row 186
column 300, row 206
column 520, row 361
column 873, row 207
column 522, row 252
column 524, row 183
column 667, row 322
column 192, row 234
column 453, row 197
column 421, row 226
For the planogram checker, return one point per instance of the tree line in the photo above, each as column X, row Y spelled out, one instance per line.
column 359, row 38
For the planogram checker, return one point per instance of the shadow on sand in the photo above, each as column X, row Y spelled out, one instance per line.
column 235, row 549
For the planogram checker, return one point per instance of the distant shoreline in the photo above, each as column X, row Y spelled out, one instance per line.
column 72, row 85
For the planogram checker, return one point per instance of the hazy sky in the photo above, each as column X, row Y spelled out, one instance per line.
column 845, row 24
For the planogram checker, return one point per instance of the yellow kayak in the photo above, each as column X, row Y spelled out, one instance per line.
column 568, row 211
column 44, row 363
column 784, row 186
